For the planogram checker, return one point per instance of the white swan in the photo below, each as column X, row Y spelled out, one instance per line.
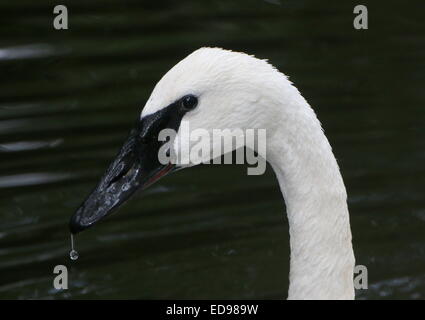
column 216, row 88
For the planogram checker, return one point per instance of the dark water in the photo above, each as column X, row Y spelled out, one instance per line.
column 69, row 98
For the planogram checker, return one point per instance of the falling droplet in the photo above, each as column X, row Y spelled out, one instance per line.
column 73, row 254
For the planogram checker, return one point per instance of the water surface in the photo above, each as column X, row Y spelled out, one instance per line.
column 69, row 98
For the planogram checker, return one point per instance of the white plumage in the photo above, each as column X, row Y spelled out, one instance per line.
column 236, row 90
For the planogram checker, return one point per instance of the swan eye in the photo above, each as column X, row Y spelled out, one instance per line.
column 189, row 102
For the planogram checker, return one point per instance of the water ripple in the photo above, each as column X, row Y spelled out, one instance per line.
column 29, row 145
column 30, row 51
column 30, row 179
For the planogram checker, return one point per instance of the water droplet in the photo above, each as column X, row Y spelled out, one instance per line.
column 73, row 254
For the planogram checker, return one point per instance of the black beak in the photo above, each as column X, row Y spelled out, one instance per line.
column 135, row 167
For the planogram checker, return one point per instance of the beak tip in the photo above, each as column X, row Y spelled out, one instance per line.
column 75, row 226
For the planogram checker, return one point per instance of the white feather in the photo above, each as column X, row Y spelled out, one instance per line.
column 237, row 90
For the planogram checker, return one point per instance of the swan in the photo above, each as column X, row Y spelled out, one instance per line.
column 217, row 88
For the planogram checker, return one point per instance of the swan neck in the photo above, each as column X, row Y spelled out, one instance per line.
column 322, row 259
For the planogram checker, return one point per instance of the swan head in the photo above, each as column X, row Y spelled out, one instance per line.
column 210, row 89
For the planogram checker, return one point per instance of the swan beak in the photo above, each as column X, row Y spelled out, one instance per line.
column 135, row 167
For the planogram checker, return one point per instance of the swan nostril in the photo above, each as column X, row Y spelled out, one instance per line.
column 120, row 175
